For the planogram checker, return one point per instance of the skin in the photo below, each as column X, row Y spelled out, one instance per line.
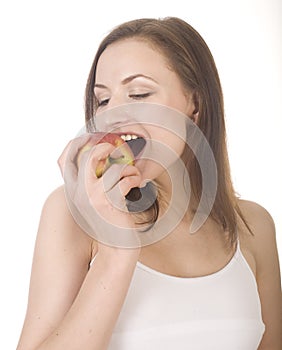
column 125, row 155
column 128, row 79
column 77, row 306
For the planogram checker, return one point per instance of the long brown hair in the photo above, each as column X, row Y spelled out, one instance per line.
column 190, row 58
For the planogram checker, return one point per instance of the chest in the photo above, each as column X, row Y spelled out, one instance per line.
column 187, row 257
column 213, row 312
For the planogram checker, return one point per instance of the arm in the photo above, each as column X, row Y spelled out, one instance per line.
column 264, row 249
column 71, row 306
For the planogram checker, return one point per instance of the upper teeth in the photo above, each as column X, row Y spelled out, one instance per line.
column 127, row 137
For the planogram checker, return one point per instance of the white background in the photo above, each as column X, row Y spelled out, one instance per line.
column 47, row 48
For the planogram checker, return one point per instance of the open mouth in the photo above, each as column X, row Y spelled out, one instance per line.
column 135, row 142
column 136, row 198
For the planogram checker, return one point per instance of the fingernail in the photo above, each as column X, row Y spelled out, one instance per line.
column 143, row 184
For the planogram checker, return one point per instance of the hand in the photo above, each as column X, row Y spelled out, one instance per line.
column 98, row 204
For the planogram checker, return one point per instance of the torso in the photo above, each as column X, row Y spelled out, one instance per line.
column 199, row 299
column 204, row 254
column 183, row 255
column 224, row 308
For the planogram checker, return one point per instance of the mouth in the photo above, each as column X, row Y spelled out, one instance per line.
column 135, row 142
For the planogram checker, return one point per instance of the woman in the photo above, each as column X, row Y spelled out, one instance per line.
column 216, row 289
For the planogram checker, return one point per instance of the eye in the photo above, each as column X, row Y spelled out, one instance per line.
column 140, row 96
column 103, row 102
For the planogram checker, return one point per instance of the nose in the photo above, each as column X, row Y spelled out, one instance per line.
column 118, row 97
column 115, row 116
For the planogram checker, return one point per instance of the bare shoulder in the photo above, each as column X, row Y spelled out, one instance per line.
column 56, row 201
column 259, row 221
column 56, row 213
column 256, row 215
column 56, row 219
column 261, row 242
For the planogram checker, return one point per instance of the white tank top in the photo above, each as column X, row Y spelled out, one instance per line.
column 220, row 311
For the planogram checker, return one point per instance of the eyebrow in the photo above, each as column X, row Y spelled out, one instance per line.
column 128, row 80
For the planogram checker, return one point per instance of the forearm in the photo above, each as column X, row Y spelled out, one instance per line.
column 92, row 317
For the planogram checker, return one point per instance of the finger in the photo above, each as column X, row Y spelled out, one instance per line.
column 77, row 145
column 112, row 176
column 68, row 158
column 86, row 175
column 70, row 150
column 130, row 170
column 116, row 172
column 62, row 159
column 129, row 182
column 91, row 159
column 116, row 194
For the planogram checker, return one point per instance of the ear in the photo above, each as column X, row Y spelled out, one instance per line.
column 194, row 115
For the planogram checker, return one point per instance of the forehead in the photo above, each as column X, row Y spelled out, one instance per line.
column 130, row 56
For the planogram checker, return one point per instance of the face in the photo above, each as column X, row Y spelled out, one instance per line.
column 132, row 71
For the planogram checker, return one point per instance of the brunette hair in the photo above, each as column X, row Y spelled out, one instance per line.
column 190, row 58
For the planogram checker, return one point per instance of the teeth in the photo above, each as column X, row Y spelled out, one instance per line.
column 127, row 137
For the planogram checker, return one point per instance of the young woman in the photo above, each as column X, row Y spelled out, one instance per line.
column 216, row 289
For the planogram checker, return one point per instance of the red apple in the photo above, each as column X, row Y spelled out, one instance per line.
column 123, row 155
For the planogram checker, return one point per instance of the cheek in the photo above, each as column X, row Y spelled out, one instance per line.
column 161, row 155
column 174, row 97
column 169, row 140
column 164, row 150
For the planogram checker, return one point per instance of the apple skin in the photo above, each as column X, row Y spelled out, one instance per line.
column 126, row 157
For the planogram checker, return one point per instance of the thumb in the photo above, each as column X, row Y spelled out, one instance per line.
column 62, row 159
column 70, row 152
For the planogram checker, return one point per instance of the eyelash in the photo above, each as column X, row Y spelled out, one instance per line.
column 139, row 96
column 134, row 96
column 103, row 102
